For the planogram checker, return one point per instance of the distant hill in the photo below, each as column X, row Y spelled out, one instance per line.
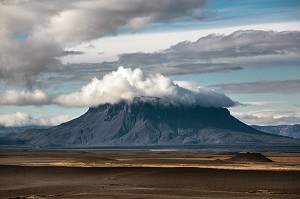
column 250, row 157
column 284, row 130
column 146, row 122
column 17, row 129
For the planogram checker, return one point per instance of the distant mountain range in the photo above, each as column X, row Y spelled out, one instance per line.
column 145, row 122
column 17, row 129
column 284, row 130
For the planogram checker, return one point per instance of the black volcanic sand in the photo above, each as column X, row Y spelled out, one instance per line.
column 19, row 181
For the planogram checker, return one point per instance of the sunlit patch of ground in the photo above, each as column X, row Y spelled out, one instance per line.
column 165, row 159
column 240, row 166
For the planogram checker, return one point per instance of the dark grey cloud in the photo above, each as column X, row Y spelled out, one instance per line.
column 71, row 52
column 21, row 62
column 242, row 43
column 212, row 53
column 50, row 26
column 219, row 53
column 282, row 87
column 78, row 73
column 86, row 71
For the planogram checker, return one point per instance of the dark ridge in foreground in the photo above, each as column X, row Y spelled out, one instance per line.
column 250, row 157
column 146, row 122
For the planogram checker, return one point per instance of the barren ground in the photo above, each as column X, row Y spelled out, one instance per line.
column 145, row 174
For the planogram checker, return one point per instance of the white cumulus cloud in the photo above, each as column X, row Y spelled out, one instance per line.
column 13, row 97
column 126, row 84
column 24, row 119
column 269, row 117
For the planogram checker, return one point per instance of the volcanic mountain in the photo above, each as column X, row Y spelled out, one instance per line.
column 146, row 122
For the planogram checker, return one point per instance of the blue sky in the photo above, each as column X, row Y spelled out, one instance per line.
column 248, row 50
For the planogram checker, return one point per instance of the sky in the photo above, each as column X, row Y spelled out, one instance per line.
column 58, row 58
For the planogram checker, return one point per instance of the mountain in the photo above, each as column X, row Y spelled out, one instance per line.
column 146, row 122
column 284, row 130
column 17, row 129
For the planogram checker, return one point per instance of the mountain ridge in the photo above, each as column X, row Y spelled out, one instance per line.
column 292, row 131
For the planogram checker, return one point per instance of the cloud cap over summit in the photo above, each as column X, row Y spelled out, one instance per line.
column 126, row 84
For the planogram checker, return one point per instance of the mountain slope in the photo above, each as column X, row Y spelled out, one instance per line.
column 144, row 122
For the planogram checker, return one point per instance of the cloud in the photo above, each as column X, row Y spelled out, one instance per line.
column 70, row 53
column 282, row 87
column 260, row 103
column 48, row 27
column 90, row 46
column 23, row 119
column 126, row 84
column 219, row 53
column 123, row 84
column 22, row 98
column 22, row 61
column 241, row 43
column 269, row 117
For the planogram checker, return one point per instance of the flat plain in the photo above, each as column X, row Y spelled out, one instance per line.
column 145, row 174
